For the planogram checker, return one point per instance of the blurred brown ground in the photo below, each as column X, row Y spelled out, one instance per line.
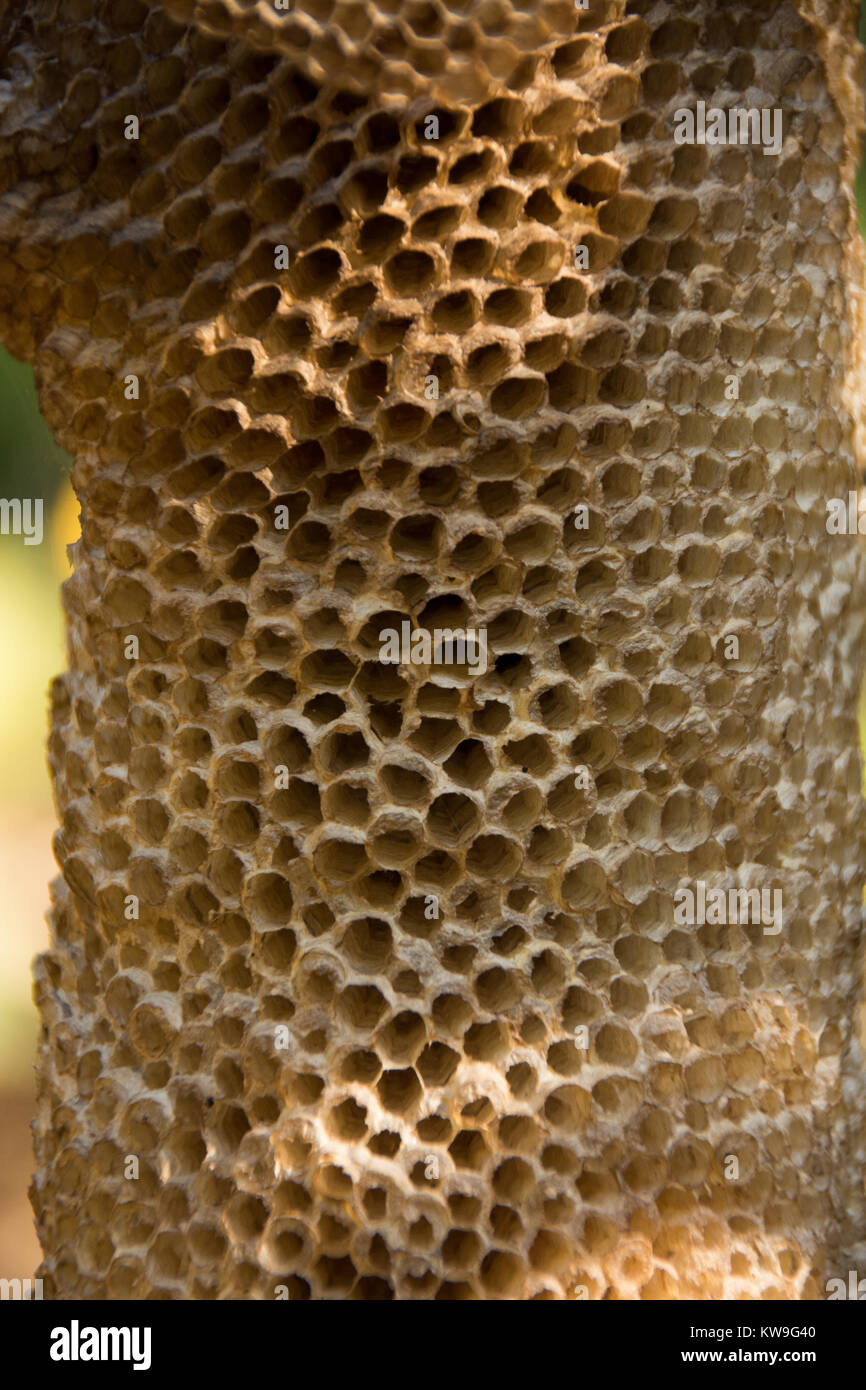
column 26, row 866
column 19, row 1248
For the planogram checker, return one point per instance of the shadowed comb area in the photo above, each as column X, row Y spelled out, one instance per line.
column 425, row 48
column 365, row 978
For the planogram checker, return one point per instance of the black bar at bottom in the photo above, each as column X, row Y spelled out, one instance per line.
column 219, row 1342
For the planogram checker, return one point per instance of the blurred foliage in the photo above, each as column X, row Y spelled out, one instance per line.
column 32, row 647
column 31, row 464
column 31, row 628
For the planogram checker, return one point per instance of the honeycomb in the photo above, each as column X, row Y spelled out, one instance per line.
column 365, row 980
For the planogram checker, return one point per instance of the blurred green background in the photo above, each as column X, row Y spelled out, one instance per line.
column 31, row 640
column 31, row 465
column 32, row 647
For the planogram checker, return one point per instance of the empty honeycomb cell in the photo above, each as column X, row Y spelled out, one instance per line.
column 517, row 397
column 499, row 207
column 539, row 261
